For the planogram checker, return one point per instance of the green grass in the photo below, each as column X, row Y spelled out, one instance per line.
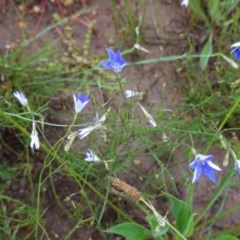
column 38, row 187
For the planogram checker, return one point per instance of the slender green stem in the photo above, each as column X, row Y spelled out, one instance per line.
column 162, row 220
column 220, row 188
column 73, row 173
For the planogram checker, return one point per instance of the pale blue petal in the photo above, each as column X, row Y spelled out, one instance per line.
column 80, row 101
column 106, row 64
column 197, row 174
column 204, row 158
column 120, row 59
column 209, row 173
column 236, row 52
column 111, row 54
column 193, row 164
column 213, row 166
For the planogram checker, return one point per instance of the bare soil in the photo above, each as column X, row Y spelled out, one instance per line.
column 164, row 31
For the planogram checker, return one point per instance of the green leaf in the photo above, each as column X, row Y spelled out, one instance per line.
column 183, row 215
column 198, row 10
column 131, row 231
column 226, row 237
column 157, row 230
column 206, row 53
column 5, row 173
column 213, row 9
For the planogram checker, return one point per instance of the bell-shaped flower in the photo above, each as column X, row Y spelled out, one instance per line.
column 139, row 47
column 131, row 93
column 21, row 98
column 91, row 157
column 236, row 50
column 115, row 61
column 202, row 164
column 82, row 133
column 184, row 3
column 80, row 101
column 35, row 144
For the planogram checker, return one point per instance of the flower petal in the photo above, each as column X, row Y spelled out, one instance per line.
column 237, row 167
column 80, row 101
column 35, row 144
column 91, row 156
column 119, row 59
column 184, row 3
column 106, row 64
column 209, row 173
column 204, row 158
column 235, row 45
column 84, row 132
column 197, row 174
column 236, row 52
column 111, row 54
column 21, row 98
column 193, row 164
column 130, row 93
column 83, row 97
column 213, row 166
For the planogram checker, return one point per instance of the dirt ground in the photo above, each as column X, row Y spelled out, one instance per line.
column 160, row 82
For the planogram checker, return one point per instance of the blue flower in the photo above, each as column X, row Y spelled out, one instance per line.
column 203, row 164
column 236, row 50
column 115, row 61
column 80, row 101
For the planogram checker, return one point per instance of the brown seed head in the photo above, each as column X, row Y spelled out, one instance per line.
column 126, row 188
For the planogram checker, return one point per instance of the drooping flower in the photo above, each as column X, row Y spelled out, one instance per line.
column 148, row 116
column 184, row 3
column 202, row 164
column 115, row 61
column 237, row 167
column 80, row 101
column 21, row 98
column 82, row 133
column 131, row 93
column 139, row 47
column 236, row 50
column 91, row 157
column 35, row 144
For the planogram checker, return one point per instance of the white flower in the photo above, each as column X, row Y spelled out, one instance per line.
column 148, row 116
column 91, row 157
column 184, row 3
column 131, row 93
column 21, row 98
column 82, row 133
column 80, row 101
column 34, row 137
column 139, row 47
